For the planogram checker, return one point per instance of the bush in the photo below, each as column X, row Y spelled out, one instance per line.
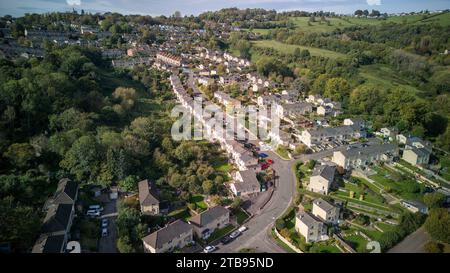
column 433, row 247
column 438, row 223
column 280, row 224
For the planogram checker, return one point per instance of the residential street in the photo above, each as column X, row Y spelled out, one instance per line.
column 108, row 244
column 258, row 234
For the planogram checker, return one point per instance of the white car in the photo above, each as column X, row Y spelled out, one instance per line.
column 93, row 213
column 235, row 234
column 105, row 223
column 104, row 232
column 242, row 229
column 96, row 207
column 209, row 249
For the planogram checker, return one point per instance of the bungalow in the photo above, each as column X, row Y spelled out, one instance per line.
column 364, row 156
column 148, row 198
column 175, row 235
column 207, row 222
column 245, row 183
column 321, row 179
column 310, row 227
column 326, row 211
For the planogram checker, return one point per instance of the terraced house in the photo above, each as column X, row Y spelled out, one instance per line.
column 175, row 235
column 207, row 222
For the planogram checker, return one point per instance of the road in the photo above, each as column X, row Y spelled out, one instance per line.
column 108, row 244
column 258, row 235
column 413, row 243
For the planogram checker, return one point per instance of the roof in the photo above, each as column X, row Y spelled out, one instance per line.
column 420, row 152
column 147, row 197
column 209, row 216
column 57, row 218
column 324, row 171
column 334, row 131
column 66, row 191
column 416, row 204
column 160, row 237
column 308, row 219
column 369, row 150
column 48, row 244
column 323, row 204
column 250, row 183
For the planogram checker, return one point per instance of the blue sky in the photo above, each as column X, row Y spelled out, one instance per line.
column 187, row 7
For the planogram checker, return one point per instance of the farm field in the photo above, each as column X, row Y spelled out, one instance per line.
column 289, row 49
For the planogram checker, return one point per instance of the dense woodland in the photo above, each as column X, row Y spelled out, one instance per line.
column 69, row 115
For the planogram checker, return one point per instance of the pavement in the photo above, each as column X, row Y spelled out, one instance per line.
column 413, row 243
column 108, row 244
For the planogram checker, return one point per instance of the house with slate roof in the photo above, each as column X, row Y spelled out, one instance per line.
column 207, row 222
column 175, row 235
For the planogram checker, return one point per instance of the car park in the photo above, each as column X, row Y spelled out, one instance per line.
column 209, row 249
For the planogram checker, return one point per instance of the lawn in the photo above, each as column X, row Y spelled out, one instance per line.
column 199, row 202
column 289, row 49
column 241, row 216
column 445, row 164
column 222, row 165
column 282, row 151
column 407, row 189
column 369, row 194
column 219, row 233
column 357, row 241
column 182, row 213
column 324, row 247
column 281, row 243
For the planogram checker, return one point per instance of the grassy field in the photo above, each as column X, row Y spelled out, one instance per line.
column 289, row 49
column 335, row 23
column 383, row 75
column 324, row 247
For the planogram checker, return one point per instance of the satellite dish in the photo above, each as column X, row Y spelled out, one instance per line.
column 73, row 247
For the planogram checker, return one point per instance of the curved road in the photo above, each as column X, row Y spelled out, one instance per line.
column 258, row 235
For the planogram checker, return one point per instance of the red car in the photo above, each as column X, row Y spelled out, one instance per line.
column 270, row 161
column 265, row 166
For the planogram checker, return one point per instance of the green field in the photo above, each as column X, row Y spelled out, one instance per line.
column 383, row 75
column 289, row 49
column 335, row 23
column 198, row 200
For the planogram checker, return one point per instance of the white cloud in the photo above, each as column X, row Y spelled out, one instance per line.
column 374, row 2
column 73, row 2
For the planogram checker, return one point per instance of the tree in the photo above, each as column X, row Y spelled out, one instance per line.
column 336, row 89
column 434, row 200
column 438, row 223
column 236, row 203
column 124, row 245
column 83, row 159
column 208, row 186
column 20, row 154
column 129, row 183
column 20, row 224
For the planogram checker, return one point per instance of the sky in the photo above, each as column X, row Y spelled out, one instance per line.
column 188, row 7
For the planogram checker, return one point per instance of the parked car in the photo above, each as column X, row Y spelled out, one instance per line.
column 104, row 232
column 93, row 213
column 270, row 161
column 235, row 234
column 225, row 240
column 263, row 155
column 209, row 249
column 242, row 229
column 105, row 223
column 265, row 166
column 96, row 207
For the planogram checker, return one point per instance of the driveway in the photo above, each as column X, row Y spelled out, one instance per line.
column 108, row 244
